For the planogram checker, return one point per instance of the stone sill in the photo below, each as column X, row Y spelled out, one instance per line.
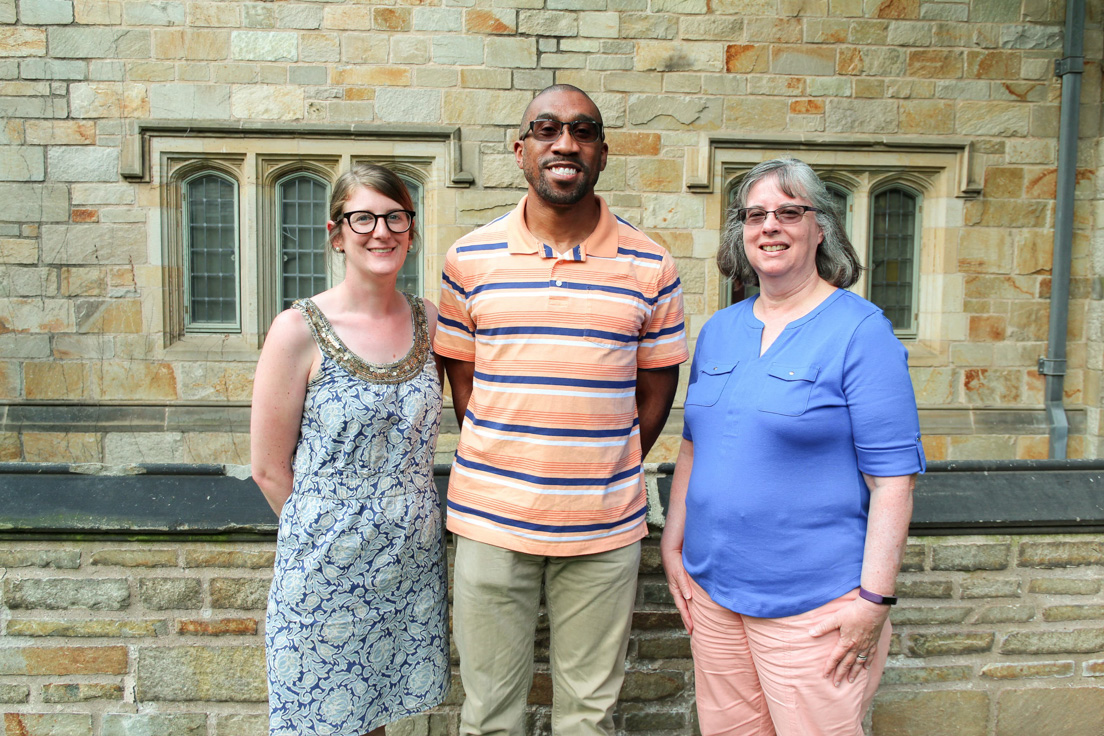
column 47, row 501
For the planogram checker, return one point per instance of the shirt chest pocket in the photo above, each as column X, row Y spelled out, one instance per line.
column 710, row 384
column 787, row 388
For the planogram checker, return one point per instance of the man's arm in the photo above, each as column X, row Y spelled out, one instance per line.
column 655, row 392
column 461, row 373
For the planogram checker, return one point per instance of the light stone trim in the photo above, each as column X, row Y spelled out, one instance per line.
column 970, row 167
column 134, row 164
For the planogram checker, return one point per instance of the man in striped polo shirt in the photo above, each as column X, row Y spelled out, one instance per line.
column 561, row 329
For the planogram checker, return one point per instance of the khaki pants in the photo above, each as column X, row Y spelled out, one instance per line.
column 495, row 600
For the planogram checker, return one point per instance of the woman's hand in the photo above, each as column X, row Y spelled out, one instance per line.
column 860, row 626
column 678, row 582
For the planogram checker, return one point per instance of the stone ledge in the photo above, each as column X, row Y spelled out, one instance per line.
column 972, row 497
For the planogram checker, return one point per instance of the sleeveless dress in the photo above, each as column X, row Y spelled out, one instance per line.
column 356, row 633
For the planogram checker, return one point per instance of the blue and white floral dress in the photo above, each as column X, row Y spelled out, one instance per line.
column 357, row 628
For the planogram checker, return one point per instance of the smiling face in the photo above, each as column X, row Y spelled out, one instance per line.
column 564, row 171
column 378, row 253
column 773, row 249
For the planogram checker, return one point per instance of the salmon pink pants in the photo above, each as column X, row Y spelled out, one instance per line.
column 762, row 676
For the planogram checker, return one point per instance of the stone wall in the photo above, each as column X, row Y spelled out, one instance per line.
column 996, row 636
column 89, row 372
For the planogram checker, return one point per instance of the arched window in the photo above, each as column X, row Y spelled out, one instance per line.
column 211, row 272
column 893, row 252
column 301, row 203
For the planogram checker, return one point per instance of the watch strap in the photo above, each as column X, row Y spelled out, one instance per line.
column 882, row 600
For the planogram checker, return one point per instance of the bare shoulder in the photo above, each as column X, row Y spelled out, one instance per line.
column 289, row 333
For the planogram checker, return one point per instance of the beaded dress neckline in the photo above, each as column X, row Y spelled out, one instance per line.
column 331, row 345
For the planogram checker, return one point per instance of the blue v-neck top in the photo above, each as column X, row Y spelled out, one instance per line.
column 776, row 508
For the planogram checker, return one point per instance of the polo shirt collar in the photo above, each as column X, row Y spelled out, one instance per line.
column 602, row 242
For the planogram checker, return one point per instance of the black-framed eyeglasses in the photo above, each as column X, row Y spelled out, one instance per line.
column 364, row 222
column 787, row 215
column 547, row 130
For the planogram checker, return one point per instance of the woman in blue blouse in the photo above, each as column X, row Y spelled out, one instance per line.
column 792, row 495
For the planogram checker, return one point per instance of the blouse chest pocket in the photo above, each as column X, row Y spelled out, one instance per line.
column 709, row 386
column 787, row 388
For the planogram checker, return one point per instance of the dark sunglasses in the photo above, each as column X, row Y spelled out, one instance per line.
column 547, row 130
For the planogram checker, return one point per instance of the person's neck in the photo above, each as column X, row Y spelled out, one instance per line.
column 371, row 297
column 562, row 226
column 791, row 298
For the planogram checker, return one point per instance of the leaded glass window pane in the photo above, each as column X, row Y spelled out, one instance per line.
column 892, row 255
column 410, row 277
column 210, row 207
column 303, row 201
column 841, row 200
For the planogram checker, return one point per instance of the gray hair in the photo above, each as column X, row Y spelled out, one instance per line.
column 836, row 260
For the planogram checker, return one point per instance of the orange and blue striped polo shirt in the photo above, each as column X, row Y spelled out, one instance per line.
column 549, row 456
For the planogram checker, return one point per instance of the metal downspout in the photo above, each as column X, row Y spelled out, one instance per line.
column 1053, row 366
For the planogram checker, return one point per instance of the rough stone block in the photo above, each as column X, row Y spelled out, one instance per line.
column 943, row 713
column 1060, row 554
column 489, row 21
column 149, row 724
column 956, row 643
column 1006, row 615
column 257, row 725
column 913, row 675
column 83, row 163
column 48, row 724
column 135, row 557
column 161, row 594
column 1067, row 711
column 14, row 693
column 1064, row 586
column 1076, row 641
column 81, row 692
column 61, row 559
column 1026, row 670
column 99, row 594
column 1073, row 613
column 22, row 163
column 21, row 42
column 440, row 20
column 861, row 116
column 247, row 594
column 511, row 53
column 547, row 23
column 265, row 45
column 45, row 12
column 97, row 628
column 665, row 647
column 69, row 447
column 98, row 43
column 408, row 105
column 649, row 686
column 190, row 101
column 673, row 211
column 218, row 674
column 267, row 102
column 913, row 616
column 970, row 557
column 110, row 660
column 217, row 627
column 911, row 588
column 258, row 560
column 457, row 50
column 484, row 107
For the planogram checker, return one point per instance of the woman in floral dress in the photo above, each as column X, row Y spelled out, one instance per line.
column 346, row 408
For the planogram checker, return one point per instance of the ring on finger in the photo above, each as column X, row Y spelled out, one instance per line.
column 861, row 656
